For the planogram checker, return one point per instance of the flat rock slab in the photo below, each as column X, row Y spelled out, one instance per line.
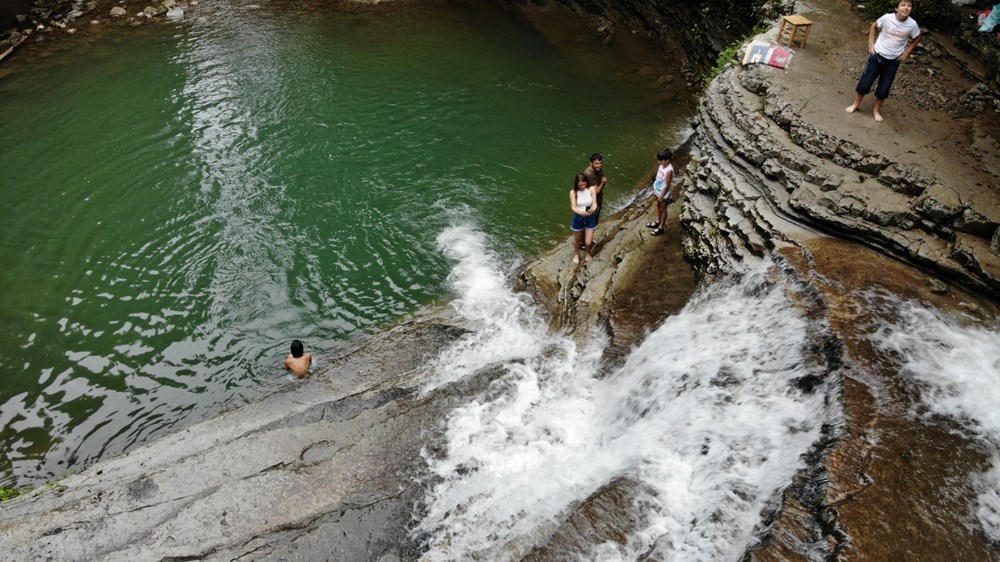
column 326, row 468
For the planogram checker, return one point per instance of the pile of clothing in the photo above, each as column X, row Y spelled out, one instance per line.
column 989, row 20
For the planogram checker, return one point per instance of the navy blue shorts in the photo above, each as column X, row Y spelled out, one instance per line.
column 878, row 67
column 580, row 222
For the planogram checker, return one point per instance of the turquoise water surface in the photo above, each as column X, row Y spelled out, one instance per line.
column 182, row 200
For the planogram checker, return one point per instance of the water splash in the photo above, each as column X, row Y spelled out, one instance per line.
column 704, row 415
column 958, row 370
column 504, row 325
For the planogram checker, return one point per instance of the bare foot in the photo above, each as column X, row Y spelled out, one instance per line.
column 576, row 259
column 878, row 116
column 589, row 257
column 851, row 108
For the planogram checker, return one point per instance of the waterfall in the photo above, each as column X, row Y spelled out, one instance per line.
column 704, row 416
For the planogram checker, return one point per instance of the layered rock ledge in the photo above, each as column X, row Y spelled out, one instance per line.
column 853, row 208
column 766, row 171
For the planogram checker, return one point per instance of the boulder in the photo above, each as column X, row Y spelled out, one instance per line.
column 937, row 286
column 117, row 12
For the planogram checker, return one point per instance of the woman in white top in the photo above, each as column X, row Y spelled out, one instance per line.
column 663, row 191
column 583, row 202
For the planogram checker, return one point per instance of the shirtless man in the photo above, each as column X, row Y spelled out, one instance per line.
column 297, row 362
column 897, row 35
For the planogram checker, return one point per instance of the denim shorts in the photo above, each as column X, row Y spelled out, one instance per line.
column 580, row 222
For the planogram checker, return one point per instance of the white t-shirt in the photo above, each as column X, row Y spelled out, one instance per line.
column 894, row 35
column 661, row 172
column 660, row 183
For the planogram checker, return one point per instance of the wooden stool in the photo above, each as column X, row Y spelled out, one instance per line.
column 789, row 28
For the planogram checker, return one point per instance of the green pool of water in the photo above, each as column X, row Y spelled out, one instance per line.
column 182, row 200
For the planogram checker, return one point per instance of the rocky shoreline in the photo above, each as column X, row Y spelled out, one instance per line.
column 45, row 22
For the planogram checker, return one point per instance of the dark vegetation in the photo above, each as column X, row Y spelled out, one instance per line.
column 695, row 30
column 10, row 9
column 940, row 15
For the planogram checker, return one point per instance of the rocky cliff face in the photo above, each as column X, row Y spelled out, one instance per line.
column 689, row 33
column 763, row 166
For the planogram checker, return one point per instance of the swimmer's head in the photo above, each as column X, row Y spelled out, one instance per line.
column 296, row 348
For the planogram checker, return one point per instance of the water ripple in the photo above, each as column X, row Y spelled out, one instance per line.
column 183, row 202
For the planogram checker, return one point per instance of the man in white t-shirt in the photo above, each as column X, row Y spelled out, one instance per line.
column 898, row 34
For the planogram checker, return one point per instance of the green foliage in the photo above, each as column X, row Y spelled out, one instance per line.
column 935, row 14
column 11, row 493
column 724, row 58
column 728, row 54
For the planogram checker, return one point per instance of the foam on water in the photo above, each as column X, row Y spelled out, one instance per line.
column 958, row 370
column 503, row 324
column 704, row 415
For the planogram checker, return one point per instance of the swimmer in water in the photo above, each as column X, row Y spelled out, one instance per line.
column 298, row 362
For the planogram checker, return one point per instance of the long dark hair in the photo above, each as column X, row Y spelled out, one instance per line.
column 577, row 180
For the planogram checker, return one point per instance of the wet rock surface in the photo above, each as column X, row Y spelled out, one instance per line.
column 331, row 468
column 907, row 207
column 324, row 469
column 634, row 282
column 888, row 485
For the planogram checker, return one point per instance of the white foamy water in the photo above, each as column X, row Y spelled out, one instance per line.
column 958, row 370
column 704, row 415
column 503, row 324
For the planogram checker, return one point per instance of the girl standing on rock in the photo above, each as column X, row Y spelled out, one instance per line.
column 662, row 191
column 583, row 203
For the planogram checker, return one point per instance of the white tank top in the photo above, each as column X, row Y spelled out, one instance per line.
column 583, row 199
